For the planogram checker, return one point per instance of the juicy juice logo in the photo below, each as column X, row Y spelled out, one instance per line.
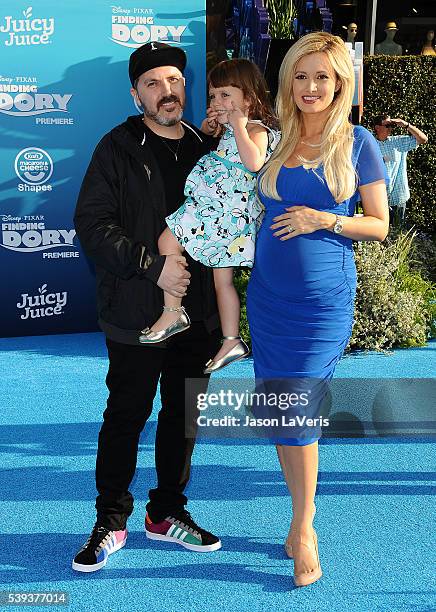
column 42, row 304
column 27, row 31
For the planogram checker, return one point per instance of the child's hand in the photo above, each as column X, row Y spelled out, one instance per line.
column 210, row 125
column 237, row 117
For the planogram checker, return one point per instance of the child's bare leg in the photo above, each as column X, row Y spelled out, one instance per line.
column 228, row 307
column 168, row 245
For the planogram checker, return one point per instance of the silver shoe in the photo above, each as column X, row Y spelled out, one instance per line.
column 181, row 324
column 239, row 351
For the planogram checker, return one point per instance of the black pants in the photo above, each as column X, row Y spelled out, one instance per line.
column 132, row 380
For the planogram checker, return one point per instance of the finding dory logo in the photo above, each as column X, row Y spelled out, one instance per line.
column 134, row 27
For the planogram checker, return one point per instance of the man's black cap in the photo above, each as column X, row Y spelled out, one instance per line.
column 155, row 54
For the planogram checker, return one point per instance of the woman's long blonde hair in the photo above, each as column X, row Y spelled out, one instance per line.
column 337, row 136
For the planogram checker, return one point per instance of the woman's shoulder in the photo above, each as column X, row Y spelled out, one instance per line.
column 367, row 157
column 361, row 134
column 364, row 141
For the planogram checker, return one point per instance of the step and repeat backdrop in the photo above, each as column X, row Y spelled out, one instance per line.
column 63, row 84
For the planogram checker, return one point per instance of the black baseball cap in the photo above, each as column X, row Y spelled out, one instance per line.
column 152, row 55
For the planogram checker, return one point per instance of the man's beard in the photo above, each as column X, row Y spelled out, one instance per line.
column 162, row 120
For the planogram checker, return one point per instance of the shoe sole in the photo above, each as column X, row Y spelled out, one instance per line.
column 194, row 547
column 79, row 567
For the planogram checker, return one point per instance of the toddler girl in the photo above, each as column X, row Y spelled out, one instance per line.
column 217, row 223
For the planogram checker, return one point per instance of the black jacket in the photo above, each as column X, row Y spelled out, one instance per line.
column 119, row 217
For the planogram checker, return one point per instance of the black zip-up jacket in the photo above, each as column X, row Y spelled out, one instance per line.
column 119, row 217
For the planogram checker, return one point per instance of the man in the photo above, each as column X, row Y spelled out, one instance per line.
column 394, row 150
column 136, row 177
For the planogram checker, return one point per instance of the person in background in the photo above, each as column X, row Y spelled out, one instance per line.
column 394, row 150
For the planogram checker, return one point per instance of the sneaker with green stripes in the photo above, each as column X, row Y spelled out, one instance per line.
column 181, row 528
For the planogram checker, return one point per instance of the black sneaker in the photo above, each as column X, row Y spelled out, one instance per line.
column 181, row 528
column 94, row 553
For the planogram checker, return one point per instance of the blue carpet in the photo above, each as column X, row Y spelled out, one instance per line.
column 375, row 516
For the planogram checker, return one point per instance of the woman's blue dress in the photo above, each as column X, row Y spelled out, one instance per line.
column 300, row 297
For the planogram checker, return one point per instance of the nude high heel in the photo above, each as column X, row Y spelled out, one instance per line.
column 307, row 578
column 288, row 545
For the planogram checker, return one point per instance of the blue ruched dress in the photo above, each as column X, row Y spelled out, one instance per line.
column 300, row 297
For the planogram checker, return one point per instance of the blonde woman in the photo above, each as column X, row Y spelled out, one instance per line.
column 300, row 298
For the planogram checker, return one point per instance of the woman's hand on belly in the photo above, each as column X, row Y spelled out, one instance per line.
column 301, row 220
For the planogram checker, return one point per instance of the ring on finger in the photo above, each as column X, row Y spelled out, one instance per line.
column 290, row 229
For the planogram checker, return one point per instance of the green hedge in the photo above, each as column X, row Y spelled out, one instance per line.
column 395, row 298
column 405, row 87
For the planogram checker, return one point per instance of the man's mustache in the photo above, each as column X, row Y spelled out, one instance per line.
column 167, row 100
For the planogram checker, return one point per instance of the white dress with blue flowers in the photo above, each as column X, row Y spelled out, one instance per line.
column 218, row 221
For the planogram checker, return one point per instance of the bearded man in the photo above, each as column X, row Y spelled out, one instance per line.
column 135, row 179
